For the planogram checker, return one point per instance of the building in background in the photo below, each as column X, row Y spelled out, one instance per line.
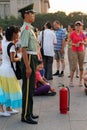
column 11, row 7
column 4, row 8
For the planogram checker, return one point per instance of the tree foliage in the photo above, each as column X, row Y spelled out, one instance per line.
column 41, row 19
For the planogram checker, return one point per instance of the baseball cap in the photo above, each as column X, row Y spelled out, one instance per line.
column 79, row 22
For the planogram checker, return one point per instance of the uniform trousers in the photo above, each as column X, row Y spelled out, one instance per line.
column 28, row 89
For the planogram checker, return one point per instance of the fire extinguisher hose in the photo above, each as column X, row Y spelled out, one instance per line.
column 68, row 98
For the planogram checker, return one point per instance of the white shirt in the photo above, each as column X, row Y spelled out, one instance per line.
column 49, row 39
column 5, row 57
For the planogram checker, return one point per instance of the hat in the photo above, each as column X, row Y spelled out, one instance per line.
column 27, row 9
column 79, row 22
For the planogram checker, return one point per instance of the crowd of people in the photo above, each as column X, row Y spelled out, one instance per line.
column 37, row 69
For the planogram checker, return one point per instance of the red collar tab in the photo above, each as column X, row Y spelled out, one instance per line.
column 27, row 27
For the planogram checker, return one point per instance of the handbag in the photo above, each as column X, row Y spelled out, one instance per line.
column 41, row 50
column 18, row 70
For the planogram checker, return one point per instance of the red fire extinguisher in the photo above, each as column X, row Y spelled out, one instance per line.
column 64, row 94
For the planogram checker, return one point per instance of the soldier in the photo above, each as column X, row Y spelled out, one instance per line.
column 29, row 62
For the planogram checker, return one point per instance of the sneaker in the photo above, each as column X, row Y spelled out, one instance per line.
column 13, row 111
column 57, row 73
column 5, row 114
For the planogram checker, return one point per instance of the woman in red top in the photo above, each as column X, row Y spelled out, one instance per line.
column 78, row 40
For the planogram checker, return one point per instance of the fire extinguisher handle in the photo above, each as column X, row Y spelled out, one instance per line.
column 68, row 98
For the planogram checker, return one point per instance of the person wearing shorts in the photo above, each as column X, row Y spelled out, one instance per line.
column 59, row 48
column 78, row 40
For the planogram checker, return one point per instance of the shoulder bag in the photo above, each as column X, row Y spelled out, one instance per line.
column 17, row 71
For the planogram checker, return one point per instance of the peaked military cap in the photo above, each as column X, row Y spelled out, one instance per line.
column 27, row 9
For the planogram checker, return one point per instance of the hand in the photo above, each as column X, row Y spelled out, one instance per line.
column 52, row 89
column 47, row 84
column 81, row 42
column 62, row 51
column 28, row 72
column 77, row 44
column 19, row 58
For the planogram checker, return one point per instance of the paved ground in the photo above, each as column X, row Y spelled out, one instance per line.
column 48, row 110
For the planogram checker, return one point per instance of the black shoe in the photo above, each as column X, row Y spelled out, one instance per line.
column 34, row 116
column 57, row 73
column 61, row 74
column 85, row 85
column 69, row 76
column 29, row 121
column 77, row 76
column 86, row 91
column 49, row 78
column 51, row 94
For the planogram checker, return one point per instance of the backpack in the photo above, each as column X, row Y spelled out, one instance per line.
column 17, row 71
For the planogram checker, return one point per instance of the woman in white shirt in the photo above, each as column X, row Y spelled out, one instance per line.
column 10, row 90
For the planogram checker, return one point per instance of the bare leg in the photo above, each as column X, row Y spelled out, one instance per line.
column 1, row 108
column 71, row 78
column 63, row 65
column 77, row 72
column 81, row 74
column 58, row 64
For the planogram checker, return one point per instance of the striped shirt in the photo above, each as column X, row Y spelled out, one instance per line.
column 60, row 35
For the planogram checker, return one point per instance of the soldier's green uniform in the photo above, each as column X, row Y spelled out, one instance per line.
column 28, row 41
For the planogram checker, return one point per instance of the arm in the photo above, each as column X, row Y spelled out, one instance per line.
column 85, row 42
column 25, row 35
column 73, row 44
column 55, row 39
column 13, row 58
column 63, row 37
column 43, row 81
column 63, row 45
column 13, row 54
column 26, row 62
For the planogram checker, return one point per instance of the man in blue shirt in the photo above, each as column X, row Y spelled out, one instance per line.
column 59, row 48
